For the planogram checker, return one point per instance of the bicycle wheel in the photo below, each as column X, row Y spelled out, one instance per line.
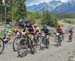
column 59, row 40
column 1, row 46
column 22, row 48
column 15, row 43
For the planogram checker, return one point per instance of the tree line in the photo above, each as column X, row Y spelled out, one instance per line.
column 16, row 9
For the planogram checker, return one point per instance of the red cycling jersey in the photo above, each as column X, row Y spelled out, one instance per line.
column 59, row 30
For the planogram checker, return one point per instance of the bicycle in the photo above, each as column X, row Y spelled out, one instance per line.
column 1, row 46
column 25, row 43
column 59, row 39
column 44, row 42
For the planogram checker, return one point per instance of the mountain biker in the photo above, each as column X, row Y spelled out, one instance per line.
column 37, row 29
column 59, row 31
column 36, row 34
column 70, row 34
column 31, row 29
column 7, row 36
column 45, row 32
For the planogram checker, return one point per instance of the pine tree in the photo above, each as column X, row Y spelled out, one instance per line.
column 21, row 12
column 18, row 9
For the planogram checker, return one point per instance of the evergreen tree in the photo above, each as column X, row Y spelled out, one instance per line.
column 21, row 12
column 18, row 9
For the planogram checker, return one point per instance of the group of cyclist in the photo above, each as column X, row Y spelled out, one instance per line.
column 28, row 27
column 32, row 29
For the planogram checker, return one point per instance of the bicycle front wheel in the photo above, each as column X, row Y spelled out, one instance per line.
column 15, row 43
column 1, row 46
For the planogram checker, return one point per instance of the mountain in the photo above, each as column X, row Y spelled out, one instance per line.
column 41, row 6
column 55, row 7
column 67, row 8
column 44, row 6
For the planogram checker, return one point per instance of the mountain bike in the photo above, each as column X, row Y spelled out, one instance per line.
column 59, row 39
column 1, row 46
column 25, row 43
column 44, row 41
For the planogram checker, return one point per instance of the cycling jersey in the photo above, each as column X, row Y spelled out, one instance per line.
column 46, row 30
column 59, row 30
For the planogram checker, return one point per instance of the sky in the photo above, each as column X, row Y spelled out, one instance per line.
column 32, row 2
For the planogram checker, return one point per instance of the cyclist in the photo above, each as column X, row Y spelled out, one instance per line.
column 70, row 34
column 7, row 36
column 59, row 35
column 31, row 29
column 36, row 34
column 45, row 32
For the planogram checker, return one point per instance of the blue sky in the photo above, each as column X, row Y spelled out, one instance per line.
column 32, row 2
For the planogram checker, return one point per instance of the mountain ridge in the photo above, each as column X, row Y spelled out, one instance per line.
column 55, row 7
